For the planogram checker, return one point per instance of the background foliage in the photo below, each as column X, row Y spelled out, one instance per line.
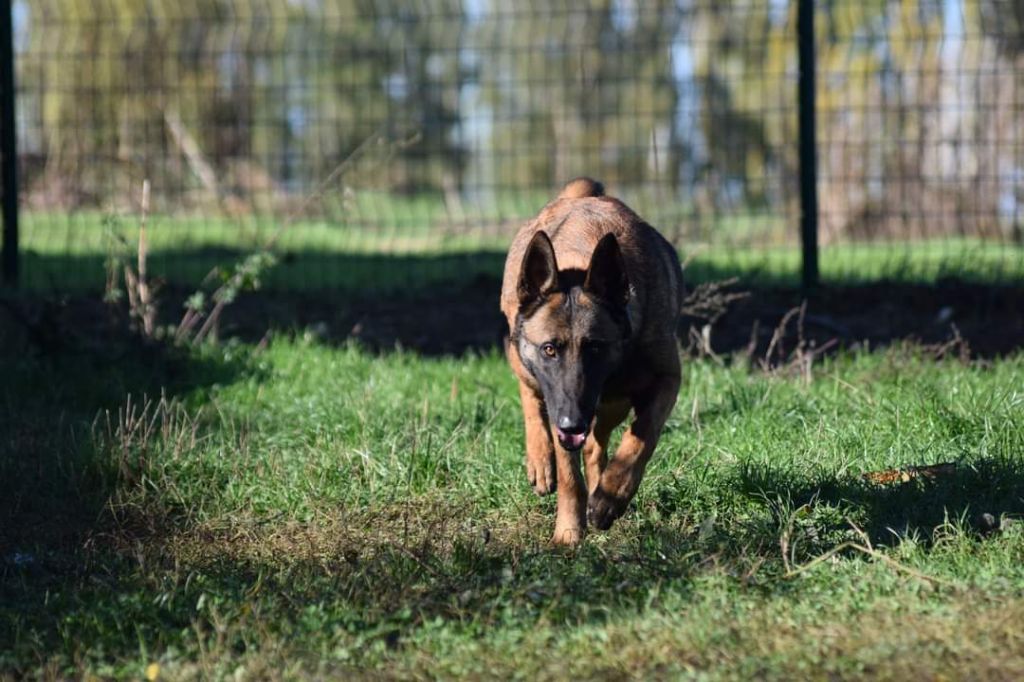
column 461, row 118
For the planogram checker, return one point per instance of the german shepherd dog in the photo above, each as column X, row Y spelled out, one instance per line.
column 592, row 294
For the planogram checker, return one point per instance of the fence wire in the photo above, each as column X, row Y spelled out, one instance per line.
column 388, row 145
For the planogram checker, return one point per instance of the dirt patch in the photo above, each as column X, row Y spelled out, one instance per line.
column 984, row 320
column 987, row 321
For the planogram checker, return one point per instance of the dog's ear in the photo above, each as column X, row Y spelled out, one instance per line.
column 606, row 276
column 538, row 275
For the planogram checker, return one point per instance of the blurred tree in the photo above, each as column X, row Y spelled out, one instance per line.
column 576, row 88
column 234, row 97
column 688, row 104
column 745, row 68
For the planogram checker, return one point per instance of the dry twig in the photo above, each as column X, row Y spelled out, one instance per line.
column 141, row 303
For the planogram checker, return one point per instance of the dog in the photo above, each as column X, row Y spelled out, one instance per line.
column 592, row 295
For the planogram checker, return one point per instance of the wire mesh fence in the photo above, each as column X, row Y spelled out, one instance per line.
column 382, row 145
column 920, row 125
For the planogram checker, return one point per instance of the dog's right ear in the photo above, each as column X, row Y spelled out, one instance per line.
column 538, row 275
column 606, row 276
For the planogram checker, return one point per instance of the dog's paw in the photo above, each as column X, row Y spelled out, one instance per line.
column 603, row 508
column 541, row 473
column 570, row 536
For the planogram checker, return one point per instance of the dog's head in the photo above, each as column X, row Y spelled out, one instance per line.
column 571, row 330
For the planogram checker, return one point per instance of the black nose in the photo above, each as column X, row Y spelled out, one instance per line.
column 570, row 426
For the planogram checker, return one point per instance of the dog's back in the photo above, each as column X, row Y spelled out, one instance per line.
column 575, row 221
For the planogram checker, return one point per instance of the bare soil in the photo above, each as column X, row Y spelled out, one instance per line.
column 982, row 321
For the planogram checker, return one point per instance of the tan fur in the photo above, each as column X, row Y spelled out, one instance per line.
column 581, row 187
column 648, row 384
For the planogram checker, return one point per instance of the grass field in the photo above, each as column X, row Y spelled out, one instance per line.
column 67, row 252
column 301, row 509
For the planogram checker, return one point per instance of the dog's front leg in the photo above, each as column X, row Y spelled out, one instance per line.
column 610, row 414
column 571, row 516
column 540, row 452
column 622, row 475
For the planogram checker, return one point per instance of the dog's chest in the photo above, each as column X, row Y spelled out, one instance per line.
column 633, row 376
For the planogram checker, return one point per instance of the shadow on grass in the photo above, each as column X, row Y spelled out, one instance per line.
column 311, row 272
column 374, row 579
column 448, row 303
column 63, row 365
column 975, row 495
column 371, row 580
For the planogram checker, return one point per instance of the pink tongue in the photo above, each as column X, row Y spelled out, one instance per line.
column 573, row 440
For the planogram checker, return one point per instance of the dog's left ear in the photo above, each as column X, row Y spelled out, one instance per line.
column 538, row 275
column 606, row 276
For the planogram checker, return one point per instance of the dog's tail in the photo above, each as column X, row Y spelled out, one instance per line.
column 582, row 187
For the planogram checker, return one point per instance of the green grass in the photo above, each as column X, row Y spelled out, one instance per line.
column 412, row 246
column 302, row 510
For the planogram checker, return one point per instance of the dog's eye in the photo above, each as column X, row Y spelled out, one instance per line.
column 549, row 350
column 594, row 346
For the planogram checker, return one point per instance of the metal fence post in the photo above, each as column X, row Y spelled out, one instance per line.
column 8, row 151
column 808, row 145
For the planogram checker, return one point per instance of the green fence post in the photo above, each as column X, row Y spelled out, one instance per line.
column 8, row 150
column 808, row 145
